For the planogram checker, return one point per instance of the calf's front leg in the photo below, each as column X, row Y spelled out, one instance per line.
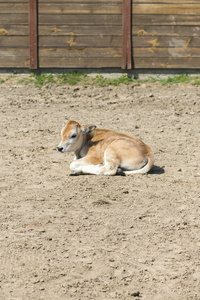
column 85, row 165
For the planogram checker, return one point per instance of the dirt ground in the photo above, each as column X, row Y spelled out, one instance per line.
column 99, row 237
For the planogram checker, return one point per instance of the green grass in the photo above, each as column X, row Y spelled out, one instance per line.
column 103, row 81
column 40, row 80
column 74, row 78
column 71, row 78
column 174, row 79
column 43, row 79
column 195, row 80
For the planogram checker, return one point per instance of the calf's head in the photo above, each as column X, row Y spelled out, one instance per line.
column 72, row 136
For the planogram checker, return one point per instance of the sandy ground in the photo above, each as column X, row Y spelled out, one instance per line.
column 98, row 237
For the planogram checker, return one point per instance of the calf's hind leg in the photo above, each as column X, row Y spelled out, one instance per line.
column 111, row 163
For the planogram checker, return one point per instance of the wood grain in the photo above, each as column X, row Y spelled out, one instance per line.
column 81, row 52
column 167, row 63
column 166, row 52
column 166, row 41
column 164, row 30
column 14, row 1
column 80, row 62
column 165, row 1
column 63, row 30
column 62, row 8
column 13, row 8
column 166, row 9
column 79, row 8
column 79, row 20
column 14, row 41
column 80, row 41
column 14, row 19
column 164, row 20
column 88, row 41
column 18, row 52
column 14, row 30
column 81, row 1
column 14, row 62
column 139, row 30
column 153, row 63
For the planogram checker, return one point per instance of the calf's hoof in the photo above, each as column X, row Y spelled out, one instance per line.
column 75, row 173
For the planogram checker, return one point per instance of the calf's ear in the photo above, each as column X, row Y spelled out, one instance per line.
column 88, row 129
column 64, row 124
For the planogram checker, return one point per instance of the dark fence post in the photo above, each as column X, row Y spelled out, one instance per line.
column 126, row 27
column 33, row 34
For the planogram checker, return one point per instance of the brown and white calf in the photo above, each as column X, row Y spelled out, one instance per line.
column 101, row 151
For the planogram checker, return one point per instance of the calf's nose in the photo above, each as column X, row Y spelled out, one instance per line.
column 60, row 148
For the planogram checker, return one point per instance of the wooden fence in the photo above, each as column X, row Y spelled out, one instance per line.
column 124, row 34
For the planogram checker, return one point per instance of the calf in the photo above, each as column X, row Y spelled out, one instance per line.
column 101, row 151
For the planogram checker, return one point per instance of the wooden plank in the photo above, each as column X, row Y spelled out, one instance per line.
column 79, row 62
column 126, row 39
column 72, row 30
column 139, row 30
column 172, row 30
column 54, row 8
column 166, row 9
column 33, row 34
column 67, row 41
column 166, row 52
column 105, row 41
column 96, row 8
column 165, row 1
column 14, row 30
column 166, row 42
column 80, row 19
column 167, row 63
column 81, row 1
column 154, row 63
column 14, row 62
column 14, row 1
column 80, row 52
column 112, row 20
column 113, row 52
column 79, row 8
column 13, row 8
column 140, row 63
column 14, row 41
column 22, row 19
column 62, row 30
column 79, row 41
column 166, row 20
column 15, row 52
column 15, row 19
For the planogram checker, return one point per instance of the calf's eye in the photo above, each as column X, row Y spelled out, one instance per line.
column 73, row 136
